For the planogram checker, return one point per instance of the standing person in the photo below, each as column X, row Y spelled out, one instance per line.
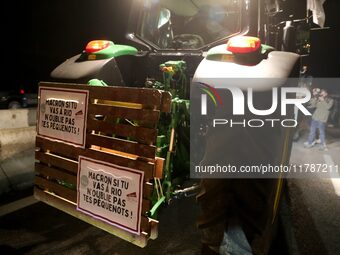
column 322, row 104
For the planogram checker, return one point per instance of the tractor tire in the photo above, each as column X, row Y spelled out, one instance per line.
column 214, row 204
column 250, row 201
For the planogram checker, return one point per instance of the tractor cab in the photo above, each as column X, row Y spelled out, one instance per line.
column 159, row 31
column 188, row 25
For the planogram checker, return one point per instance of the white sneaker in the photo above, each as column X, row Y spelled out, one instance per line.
column 307, row 145
column 323, row 147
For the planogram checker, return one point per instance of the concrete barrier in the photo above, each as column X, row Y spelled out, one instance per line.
column 17, row 131
column 15, row 140
column 17, row 146
column 17, row 171
column 17, row 118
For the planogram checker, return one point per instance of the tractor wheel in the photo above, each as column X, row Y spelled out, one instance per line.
column 250, row 201
column 213, row 200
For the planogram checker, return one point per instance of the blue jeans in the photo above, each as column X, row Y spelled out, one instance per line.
column 317, row 125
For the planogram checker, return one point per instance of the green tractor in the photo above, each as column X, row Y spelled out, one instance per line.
column 177, row 46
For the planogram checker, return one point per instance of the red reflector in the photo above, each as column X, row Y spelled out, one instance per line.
column 243, row 44
column 96, row 45
column 22, row 91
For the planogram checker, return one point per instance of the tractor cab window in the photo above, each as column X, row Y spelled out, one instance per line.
column 188, row 24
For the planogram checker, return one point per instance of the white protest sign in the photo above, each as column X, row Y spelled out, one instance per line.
column 62, row 115
column 110, row 193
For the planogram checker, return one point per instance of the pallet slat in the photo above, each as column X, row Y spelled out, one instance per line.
column 63, row 149
column 146, row 167
column 147, row 117
column 142, row 150
column 70, row 208
column 55, row 173
column 140, row 134
column 60, row 190
column 54, row 160
column 146, row 97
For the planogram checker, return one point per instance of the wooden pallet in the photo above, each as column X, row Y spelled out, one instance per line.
column 107, row 140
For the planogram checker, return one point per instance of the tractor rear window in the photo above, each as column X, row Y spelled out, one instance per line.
column 188, row 24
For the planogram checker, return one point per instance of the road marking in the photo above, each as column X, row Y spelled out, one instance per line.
column 334, row 176
column 17, row 205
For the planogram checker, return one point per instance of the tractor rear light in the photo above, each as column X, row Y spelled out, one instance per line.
column 243, row 44
column 97, row 45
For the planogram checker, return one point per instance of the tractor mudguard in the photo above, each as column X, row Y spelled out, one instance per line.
column 76, row 71
column 253, row 202
column 101, row 65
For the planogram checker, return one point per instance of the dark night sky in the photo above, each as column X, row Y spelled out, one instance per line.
column 45, row 33
column 50, row 31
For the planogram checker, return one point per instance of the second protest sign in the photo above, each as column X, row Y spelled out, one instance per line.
column 110, row 193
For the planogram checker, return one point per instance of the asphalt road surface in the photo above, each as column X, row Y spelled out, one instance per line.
column 314, row 202
column 41, row 229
